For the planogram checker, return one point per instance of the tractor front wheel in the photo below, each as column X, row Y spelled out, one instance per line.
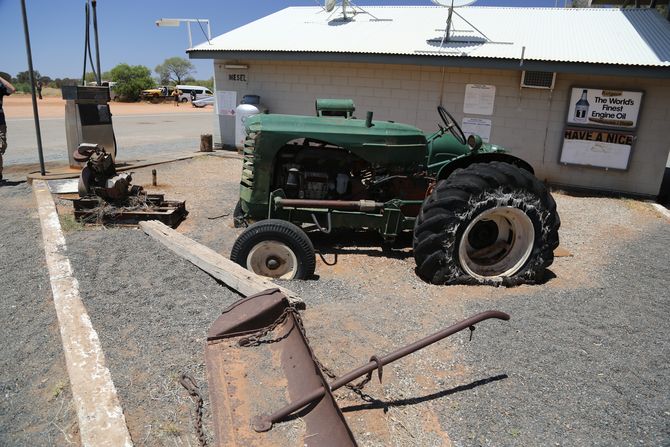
column 488, row 223
column 276, row 249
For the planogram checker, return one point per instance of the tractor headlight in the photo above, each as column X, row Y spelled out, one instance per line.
column 474, row 142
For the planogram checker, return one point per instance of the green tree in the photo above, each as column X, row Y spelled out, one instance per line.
column 89, row 77
column 209, row 83
column 24, row 77
column 131, row 80
column 174, row 69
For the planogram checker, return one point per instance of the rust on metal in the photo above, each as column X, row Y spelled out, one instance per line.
column 249, row 315
column 147, row 207
column 235, row 395
column 343, row 205
column 380, row 367
column 373, row 364
column 263, row 335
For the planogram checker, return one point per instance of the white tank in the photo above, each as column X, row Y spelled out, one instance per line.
column 250, row 106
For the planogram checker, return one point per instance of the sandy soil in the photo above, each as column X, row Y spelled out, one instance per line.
column 20, row 106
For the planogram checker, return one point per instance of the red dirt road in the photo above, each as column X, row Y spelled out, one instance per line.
column 20, row 106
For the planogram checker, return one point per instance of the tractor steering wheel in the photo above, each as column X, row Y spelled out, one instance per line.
column 451, row 124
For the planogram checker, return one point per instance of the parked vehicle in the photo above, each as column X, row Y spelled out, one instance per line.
column 202, row 102
column 186, row 92
column 477, row 213
column 156, row 94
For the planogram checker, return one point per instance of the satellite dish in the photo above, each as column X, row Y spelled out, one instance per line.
column 453, row 3
column 330, row 5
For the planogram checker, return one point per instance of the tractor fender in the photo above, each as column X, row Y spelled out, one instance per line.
column 486, row 157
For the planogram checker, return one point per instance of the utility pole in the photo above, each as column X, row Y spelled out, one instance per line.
column 32, row 87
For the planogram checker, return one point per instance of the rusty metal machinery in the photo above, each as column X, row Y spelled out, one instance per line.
column 108, row 197
column 260, row 342
column 99, row 176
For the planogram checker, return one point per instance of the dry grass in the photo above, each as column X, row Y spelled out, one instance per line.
column 58, row 389
column 69, row 224
column 172, row 429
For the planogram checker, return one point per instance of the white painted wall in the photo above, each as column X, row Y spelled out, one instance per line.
column 529, row 122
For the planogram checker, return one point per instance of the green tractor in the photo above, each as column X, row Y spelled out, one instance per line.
column 478, row 214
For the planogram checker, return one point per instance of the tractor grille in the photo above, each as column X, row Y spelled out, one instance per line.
column 248, row 159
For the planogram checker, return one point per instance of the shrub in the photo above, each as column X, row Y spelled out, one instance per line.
column 131, row 80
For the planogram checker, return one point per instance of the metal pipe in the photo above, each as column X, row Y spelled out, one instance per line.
column 264, row 423
column 97, row 46
column 344, row 205
column 368, row 119
column 190, row 39
column 36, row 115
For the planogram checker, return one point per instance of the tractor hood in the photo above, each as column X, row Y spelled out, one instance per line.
column 383, row 142
column 445, row 148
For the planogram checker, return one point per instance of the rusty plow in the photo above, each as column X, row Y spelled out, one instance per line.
column 261, row 370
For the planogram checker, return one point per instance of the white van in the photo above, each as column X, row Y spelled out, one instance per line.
column 200, row 92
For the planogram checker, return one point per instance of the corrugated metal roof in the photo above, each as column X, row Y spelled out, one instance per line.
column 599, row 35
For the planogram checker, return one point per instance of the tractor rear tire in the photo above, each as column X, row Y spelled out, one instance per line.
column 489, row 223
column 276, row 249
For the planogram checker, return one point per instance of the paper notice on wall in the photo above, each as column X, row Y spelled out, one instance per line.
column 226, row 102
column 479, row 99
column 477, row 126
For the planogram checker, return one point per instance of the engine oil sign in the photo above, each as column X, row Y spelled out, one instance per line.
column 604, row 108
column 594, row 147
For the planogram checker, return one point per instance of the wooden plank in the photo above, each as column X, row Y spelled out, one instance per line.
column 234, row 276
column 170, row 213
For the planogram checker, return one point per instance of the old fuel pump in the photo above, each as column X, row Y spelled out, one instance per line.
column 87, row 120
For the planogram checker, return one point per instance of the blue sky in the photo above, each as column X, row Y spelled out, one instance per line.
column 128, row 32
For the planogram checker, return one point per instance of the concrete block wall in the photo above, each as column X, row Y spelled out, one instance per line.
column 529, row 122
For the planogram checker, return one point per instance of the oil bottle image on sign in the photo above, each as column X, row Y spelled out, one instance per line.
column 582, row 109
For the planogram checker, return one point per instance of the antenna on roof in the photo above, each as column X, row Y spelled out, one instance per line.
column 349, row 10
column 451, row 4
column 464, row 35
column 330, row 5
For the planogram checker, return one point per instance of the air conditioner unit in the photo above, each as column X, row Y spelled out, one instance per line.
column 538, row 79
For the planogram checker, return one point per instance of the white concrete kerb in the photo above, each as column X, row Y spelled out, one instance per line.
column 661, row 209
column 101, row 419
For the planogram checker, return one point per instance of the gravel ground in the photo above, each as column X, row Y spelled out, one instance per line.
column 35, row 400
column 152, row 310
column 583, row 360
column 478, row 393
column 585, row 366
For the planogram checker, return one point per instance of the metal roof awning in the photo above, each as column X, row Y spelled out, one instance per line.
column 611, row 41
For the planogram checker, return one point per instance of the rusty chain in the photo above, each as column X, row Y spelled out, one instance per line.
column 257, row 339
column 188, row 382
